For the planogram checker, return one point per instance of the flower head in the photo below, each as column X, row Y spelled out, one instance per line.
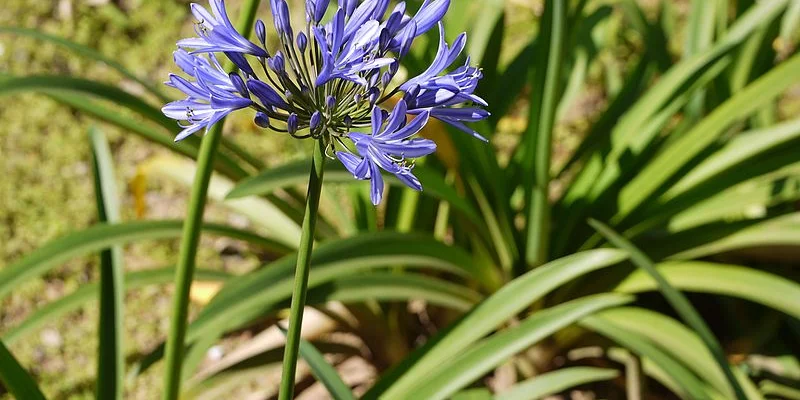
column 331, row 81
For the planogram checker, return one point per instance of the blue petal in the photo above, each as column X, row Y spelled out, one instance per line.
column 408, row 148
column 410, row 129
column 376, row 184
column 267, row 94
column 409, row 179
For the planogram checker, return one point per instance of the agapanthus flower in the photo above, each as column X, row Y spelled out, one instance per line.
column 332, row 80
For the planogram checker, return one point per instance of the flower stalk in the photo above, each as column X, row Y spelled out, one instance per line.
column 333, row 82
column 302, row 270
column 190, row 239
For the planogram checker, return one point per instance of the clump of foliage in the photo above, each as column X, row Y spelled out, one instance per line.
column 529, row 276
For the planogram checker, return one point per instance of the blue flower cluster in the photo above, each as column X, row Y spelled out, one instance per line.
column 331, row 81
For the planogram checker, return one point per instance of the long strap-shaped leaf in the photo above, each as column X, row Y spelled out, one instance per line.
column 88, row 292
column 676, row 340
column 750, row 284
column 507, row 302
column 627, row 136
column 245, row 297
column 680, row 379
column 18, row 382
column 667, row 163
column 102, row 236
column 295, row 173
column 719, row 238
column 487, row 354
column 323, row 371
column 111, row 361
column 555, row 382
column 86, row 52
column 58, row 85
column 677, row 300
column 340, row 283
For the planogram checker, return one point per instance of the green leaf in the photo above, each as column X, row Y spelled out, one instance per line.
column 779, row 231
column 87, row 52
column 686, row 384
column 482, row 357
column 507, row 302
column 323, row 371
column 745, row 283
column 641, row 123
column 111, row 358
column 772, row 388
column 245, row 298
column 733, row 157
column 790, row 24
column 73, row 84
column 15, row 379
column 552, row 383
column 102, row 236
column 296, row 173
column 88, row 292
column 63, row 88
column 677, row 300
column 260, row 211
column 749, row 200
column 674, row 339
column 342, row 283
column 389, row 286
column 684, row 149
column 740, row 181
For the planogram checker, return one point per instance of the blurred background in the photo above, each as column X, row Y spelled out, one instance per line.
column 47, row 188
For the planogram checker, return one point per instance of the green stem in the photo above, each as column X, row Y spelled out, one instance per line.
column 301, row 273
column 191, row 236
column 186, row 263
column 542, row 121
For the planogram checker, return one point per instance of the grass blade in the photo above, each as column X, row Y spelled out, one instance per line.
column 677, row 300
column 389, row 286
column 103, row 236
column 552, row 383
column 111, row 357
column 324, row 372
column 15, row 379
column 485, row 355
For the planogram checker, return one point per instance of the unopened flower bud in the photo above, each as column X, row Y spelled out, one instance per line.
column 316, row 118
column 302, row 42
column 261, row 32
column 291, row 123
column 261, row 120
